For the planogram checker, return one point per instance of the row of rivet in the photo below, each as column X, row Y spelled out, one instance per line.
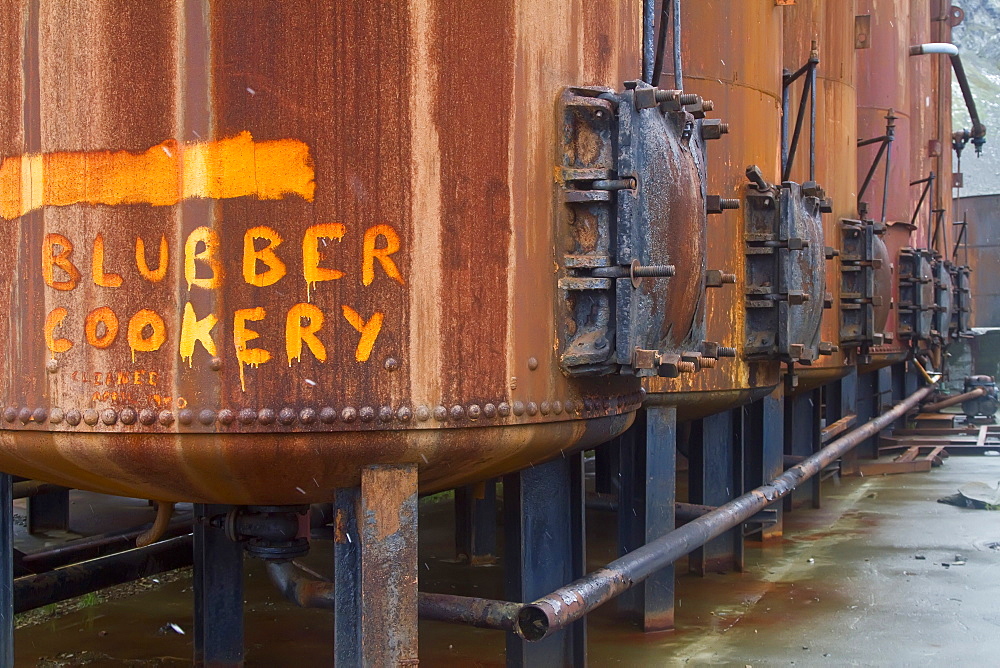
column 308, row 416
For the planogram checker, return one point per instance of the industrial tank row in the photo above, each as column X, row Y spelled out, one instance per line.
column 255, row 248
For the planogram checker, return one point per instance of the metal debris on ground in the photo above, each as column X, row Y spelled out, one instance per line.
column 976, row 495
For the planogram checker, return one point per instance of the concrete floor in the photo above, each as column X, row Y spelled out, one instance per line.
column 845, row 586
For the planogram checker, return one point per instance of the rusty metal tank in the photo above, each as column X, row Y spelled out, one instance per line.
column 739, row 69
column 830, row 27
column 925, row 144
column 256, row 246
column 884, row 108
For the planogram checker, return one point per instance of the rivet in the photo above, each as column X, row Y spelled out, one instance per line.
column 185, row 416
column 349, row 414
column 391, row 364
column 503, row 410
column 404, row 414
column 247, row 416
column 367, row 413
column 226, row 417
column 308, row 415
column 286, row 416
column 475, row 412
column 52, row 365
column 91, row 416
column 557, row 407
column 490, row 411
column 128, row 416
column 73, row 417
column 423, row 413
column 457, row 412
column 440, row 413
column 384, row 413
column 518, row 408
column 24, row 415
column 215, row 364
column 10, row 414
column 147, row 416
column 532, row 408
column 56, row 416
column 206, row 417
column 532, row 363
column 109, row 416
column 570, row 406
column 265, row 416
column 545, row 408
column 588, row 405
column 327, row 415
column 166, row 418
column 40, row 415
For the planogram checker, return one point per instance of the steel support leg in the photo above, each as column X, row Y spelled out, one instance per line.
column 802, row 439
column 476, row 523
column 646, row 509
column 883, row 400
column 715, row 477
column 763, row 436
column 375, row 570
column 543, row 549
column 842, row 400
column 911, row 380
column 866, row 395
column 6, row 571
column 48, row 511
column 218, row 593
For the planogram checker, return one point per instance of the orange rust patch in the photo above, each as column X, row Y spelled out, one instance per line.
column 384, row 490
column 161, row 176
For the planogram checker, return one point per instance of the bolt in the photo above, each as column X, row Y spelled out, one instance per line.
column 727, row 351
column 757, row 177
column 812, row 189
column 715, row 278
column 830, row 252
column 797, row 297
column 827, row 348
column 614, row 184
column 713, row 128
column 707, row 105
column 690, row 98
column 717, row 204
column 706, row 362
column 795, row 350
column 668, row 365
column 686, row 367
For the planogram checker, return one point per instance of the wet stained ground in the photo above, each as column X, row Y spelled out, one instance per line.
column 859, row 582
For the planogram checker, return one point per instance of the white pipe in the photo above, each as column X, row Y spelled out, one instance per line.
column 934, row 47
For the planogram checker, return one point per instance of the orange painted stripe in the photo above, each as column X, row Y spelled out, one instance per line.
column 161, row 176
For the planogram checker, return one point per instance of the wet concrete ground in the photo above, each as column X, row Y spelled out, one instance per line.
column 845, row 586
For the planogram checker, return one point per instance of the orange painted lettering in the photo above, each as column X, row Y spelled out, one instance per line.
column 251, row 256
column 195, row 331
column 61, row 259
column 250, row 356
column 301, row 325
column 208, row 239
column 311, row 271
column 101, row 277
column 53, row 320
column 151, row 275
column 146, row 331
column 102, row 318
column 369, row 331
column 373, row 252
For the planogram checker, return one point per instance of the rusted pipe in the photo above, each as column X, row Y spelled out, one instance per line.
column 29, row 488
column 483, row 613
column 307, row 591
column 164, row 511
column 568, row 604
column 951, row 401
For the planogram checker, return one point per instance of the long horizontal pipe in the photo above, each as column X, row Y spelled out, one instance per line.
column 957, row 399
column 934, row 47
column 33, row 591
column 568, row 604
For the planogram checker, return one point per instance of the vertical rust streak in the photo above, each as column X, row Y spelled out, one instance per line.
column 426, row 294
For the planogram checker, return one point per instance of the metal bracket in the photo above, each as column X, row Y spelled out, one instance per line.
column 864, row 279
